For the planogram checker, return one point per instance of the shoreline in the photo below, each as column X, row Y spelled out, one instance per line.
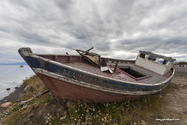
column 12, row 97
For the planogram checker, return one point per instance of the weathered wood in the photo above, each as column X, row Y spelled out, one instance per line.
column 26, row 101
column 116, row 66
column 93, row 58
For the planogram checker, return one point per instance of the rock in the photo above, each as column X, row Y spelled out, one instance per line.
column 62, row 118
column 58, row 115
column 25, row 89
column 16, row 87
column 18, row 100
column 68, row 104
column 4, row 121
column 31, row 114
column 40, row 113
column 28, row 110
column 6, row 104
column 7, row 89
column 45, row 105
column 114, row 120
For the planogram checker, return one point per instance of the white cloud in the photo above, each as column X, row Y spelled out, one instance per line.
column 114, row 28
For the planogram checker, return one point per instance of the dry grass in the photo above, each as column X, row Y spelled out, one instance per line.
column 127, row 112
column 33, row 86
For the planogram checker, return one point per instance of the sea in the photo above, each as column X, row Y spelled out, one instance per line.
column 11, row 77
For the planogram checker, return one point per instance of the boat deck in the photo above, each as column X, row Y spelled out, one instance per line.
column 150, row 78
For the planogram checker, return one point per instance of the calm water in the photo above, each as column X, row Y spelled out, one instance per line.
column 12, row 76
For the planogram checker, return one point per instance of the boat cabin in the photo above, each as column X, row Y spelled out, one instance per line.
column 154, row 62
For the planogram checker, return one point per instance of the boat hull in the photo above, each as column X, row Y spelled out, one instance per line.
column 66, row 82
column 63, row 90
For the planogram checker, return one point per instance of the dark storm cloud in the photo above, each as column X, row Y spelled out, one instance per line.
column 116, row 28
column 177, row 44
column 64, row 4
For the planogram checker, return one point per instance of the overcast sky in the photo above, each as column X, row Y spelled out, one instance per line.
column 115, row 28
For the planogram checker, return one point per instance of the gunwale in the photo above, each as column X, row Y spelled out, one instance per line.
column 89, row 73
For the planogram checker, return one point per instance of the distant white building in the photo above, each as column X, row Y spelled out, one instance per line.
column 180, row 65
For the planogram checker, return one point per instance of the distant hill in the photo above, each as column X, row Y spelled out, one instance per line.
column 17, row 63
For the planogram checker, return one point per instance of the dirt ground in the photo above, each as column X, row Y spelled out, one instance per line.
column 175, row 99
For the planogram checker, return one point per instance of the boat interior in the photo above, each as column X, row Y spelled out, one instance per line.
column 126, row 70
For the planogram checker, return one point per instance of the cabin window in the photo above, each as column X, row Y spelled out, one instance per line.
column 162, row 61
column 152, row 59
column 132, row 72
column 165, row 62
column 142, row 55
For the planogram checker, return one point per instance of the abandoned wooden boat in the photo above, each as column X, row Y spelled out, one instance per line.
column 90, row 77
